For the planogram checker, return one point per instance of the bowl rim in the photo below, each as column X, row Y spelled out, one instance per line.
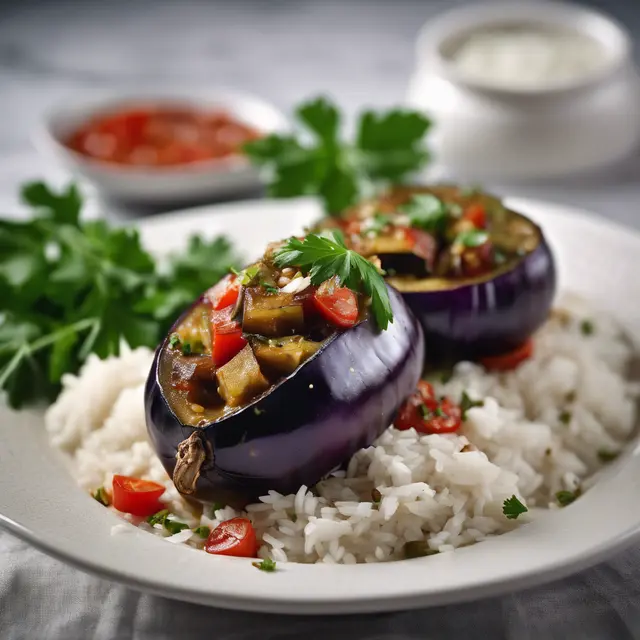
column 93, row 102
column 455, row 23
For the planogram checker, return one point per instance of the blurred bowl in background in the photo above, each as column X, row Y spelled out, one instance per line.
column 148, row 183
column 526, row 90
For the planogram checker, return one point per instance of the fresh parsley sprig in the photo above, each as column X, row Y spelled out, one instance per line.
column 325, row 256
column 315, row 160
column 70, row 287
column 512, row 508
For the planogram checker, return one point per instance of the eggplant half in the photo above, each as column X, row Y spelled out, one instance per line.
column 340, row 399
column 468, row 317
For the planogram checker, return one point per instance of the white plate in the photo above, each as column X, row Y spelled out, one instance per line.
column 158, row 185
column 40, row 502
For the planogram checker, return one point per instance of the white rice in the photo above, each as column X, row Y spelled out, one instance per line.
column 540, row 431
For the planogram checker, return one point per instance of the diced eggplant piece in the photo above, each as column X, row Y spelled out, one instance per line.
column 240, row 379
column 283, row 355
column 271, row 314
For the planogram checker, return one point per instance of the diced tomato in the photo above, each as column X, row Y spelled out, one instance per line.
column 235, row 537
column 136, row 496
column 226, row 337
column 225, row 293
column 422, row 244
column 476, row 214
column 337, row 305
column 428, row 414
column 509, row 360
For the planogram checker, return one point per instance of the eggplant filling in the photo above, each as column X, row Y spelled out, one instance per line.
column 246, row 334
column 431, row 238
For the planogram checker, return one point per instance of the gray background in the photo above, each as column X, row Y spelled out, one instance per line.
column 284, row 50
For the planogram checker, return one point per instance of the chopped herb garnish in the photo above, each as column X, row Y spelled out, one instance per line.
column 565, row 498
column 216, row 506
column 423, row 410
column 248, row 275
column 512, row 508
column 376, row 496
column 418, row 549
column 268, row 287
column 258, row 412
column 439, row 412
column 186, row 348
column 388, row 146
column 174, row 340
column 267, row 565
column 202, row 531
column 565, row 416
column 426, row 212
column 471, row 238
column 101, row 495
column 467, row 403
column 607, row 456
column 158, row 518
column 173, row 526
column 587, row 327
column 325, row 256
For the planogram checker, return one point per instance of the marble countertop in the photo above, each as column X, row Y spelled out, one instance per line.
column 283, row 50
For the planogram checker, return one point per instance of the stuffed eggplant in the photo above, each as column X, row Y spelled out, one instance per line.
column 479, row 277
column 272, row 379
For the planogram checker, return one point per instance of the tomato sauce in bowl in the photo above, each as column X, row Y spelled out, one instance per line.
column 161, row 136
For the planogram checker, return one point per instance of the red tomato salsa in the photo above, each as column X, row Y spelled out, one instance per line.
column 157, row 136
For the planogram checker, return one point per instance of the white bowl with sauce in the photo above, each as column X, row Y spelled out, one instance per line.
column 146, row 184
column 526, row 90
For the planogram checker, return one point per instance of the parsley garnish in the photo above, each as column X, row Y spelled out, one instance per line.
column 267, row 565
column 186, row 348
column 269, row 288
column 467, row 403
column 418, row 549
column 587, row 327
column 607, row 456
column 101, row 495
column 216, row 506
column 202, row 531
column 565, row 498
column 512, row 508
column 423, row 410
column 565, row 417
column 426, row 212
column 258, row 411
column 471, row 238
column 71, row 287
column 174, row 340
column 388, row 146
column 325, row 257
column 162, row 517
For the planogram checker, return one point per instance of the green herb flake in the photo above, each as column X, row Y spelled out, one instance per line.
column 587, row 328
column 186, row 348
column 258, row 412
column 267, row 565
column 424, row 411
column 471, row 238
column 173, row 526
column 418, row 549
column 202, row 531
column 269, row 288
column 440, row 413
column 326, row 256
column 216, row 506
column 512, row 508
column 565, row 416
column 565, row 498
column 101, row 495
column 605, row 455
column 249, row 274
column 158, row 518
column 174, row 340
column 467, row 403
column 426, row 212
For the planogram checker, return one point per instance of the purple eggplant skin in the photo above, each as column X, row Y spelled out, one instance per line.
column 490, row 316
column 337, row 402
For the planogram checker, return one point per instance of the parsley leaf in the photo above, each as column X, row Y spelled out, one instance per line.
column 467, row 403
column 316, row 161
column 70, row 287
column 512, row 508
column 471, row 238
column 101, row 495
column 326, row 256
column 267, row 565
column 202, row 531
column 587, row 327
column 426, row 212
column 565, row 498
column 605, row 455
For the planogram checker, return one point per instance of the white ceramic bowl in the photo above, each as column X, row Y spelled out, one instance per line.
column 195, row 181
column 486, row 131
